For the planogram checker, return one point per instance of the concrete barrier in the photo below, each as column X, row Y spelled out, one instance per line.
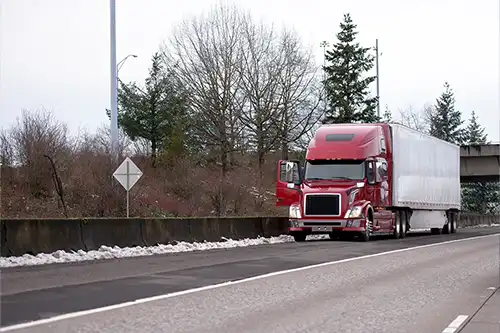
column 38, row 236
column 469, row 220
column 111, row 232
column 274, row 226
column 21, row 236
column 165, row 231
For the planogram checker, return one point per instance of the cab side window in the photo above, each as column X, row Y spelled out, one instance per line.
column 370, row 175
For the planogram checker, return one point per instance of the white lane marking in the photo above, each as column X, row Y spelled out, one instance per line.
column 455, row 324
column 220, row 285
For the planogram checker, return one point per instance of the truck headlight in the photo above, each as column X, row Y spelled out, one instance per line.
column 294, row 212
column 354, row 212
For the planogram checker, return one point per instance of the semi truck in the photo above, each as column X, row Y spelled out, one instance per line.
column 371, row 179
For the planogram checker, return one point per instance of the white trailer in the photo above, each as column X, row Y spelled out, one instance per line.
column 426, row 177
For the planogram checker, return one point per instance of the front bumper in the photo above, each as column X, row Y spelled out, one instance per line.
column 326, row 226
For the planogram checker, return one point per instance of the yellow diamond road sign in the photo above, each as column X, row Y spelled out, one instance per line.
column 127, row 174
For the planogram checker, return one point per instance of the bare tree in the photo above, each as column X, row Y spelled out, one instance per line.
column 300, row 92
column 37, row 134
column 206, row 55
column 419, row 121
column 6, row 149
column 263, row 64
column 100, row 142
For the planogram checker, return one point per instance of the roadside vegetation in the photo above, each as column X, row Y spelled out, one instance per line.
column 226, row 97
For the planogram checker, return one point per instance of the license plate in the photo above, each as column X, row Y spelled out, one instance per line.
column 322, row 229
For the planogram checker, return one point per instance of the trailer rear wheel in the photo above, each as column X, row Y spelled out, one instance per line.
column 299, row 237
column 453, row 224
column 447, row 226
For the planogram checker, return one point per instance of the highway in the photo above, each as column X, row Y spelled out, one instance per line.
column 412, row 285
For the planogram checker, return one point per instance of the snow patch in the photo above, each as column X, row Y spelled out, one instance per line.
column 108, row 252
column 484, row 225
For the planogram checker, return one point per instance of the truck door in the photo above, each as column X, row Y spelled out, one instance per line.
column 286, row 195
column 381, row 195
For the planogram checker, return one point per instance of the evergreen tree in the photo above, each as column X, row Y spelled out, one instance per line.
column 445, row 120
column 157, row 112
column 347, row 90
column 478, row 197
column 475, row 133
column 387, row 117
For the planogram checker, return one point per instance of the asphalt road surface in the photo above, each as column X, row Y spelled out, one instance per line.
column 418, row 290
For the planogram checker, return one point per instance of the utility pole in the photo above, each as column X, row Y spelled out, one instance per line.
column 114, row 79
column 378, row 78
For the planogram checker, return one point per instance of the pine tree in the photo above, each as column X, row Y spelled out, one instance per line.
column 157, row 112
column 347, row 90
column 478, row 197
column 475, row 133
column 445, row 121
column 387, row 117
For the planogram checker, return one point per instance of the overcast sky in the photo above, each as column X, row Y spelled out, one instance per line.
column 55, row 53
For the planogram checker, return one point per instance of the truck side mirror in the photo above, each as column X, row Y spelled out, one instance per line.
column 292, row 173
column 370, row 173
column 289, row 171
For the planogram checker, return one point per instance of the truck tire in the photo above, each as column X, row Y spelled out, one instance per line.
column 454, row 222
column 365, row 236
column 447, row 227
column 334, row 236
column 396, row 233
column 299, row 237
column 404, row 224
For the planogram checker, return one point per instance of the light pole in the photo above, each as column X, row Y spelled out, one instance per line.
column 113, row 78
column 122, row 62
column 378, row 78
column 118, row 66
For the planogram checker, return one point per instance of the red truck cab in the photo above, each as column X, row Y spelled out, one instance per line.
column 344, row 185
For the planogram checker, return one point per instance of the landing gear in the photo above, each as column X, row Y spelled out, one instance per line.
column 436, row 231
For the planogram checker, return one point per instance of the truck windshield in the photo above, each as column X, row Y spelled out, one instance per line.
column 327, row 169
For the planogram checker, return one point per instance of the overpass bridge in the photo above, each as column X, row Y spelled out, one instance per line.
column 480, row 163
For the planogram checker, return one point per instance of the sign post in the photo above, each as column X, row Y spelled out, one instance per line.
column 127, row 175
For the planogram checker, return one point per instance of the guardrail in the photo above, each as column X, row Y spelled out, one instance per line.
column 33, row 236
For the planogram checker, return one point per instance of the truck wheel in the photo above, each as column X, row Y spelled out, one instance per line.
column 447, row 226
column 334, row 236
column 453, row 224
column 299, row 237
column 397, row 226
column 365, row 236
column 404, row 224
